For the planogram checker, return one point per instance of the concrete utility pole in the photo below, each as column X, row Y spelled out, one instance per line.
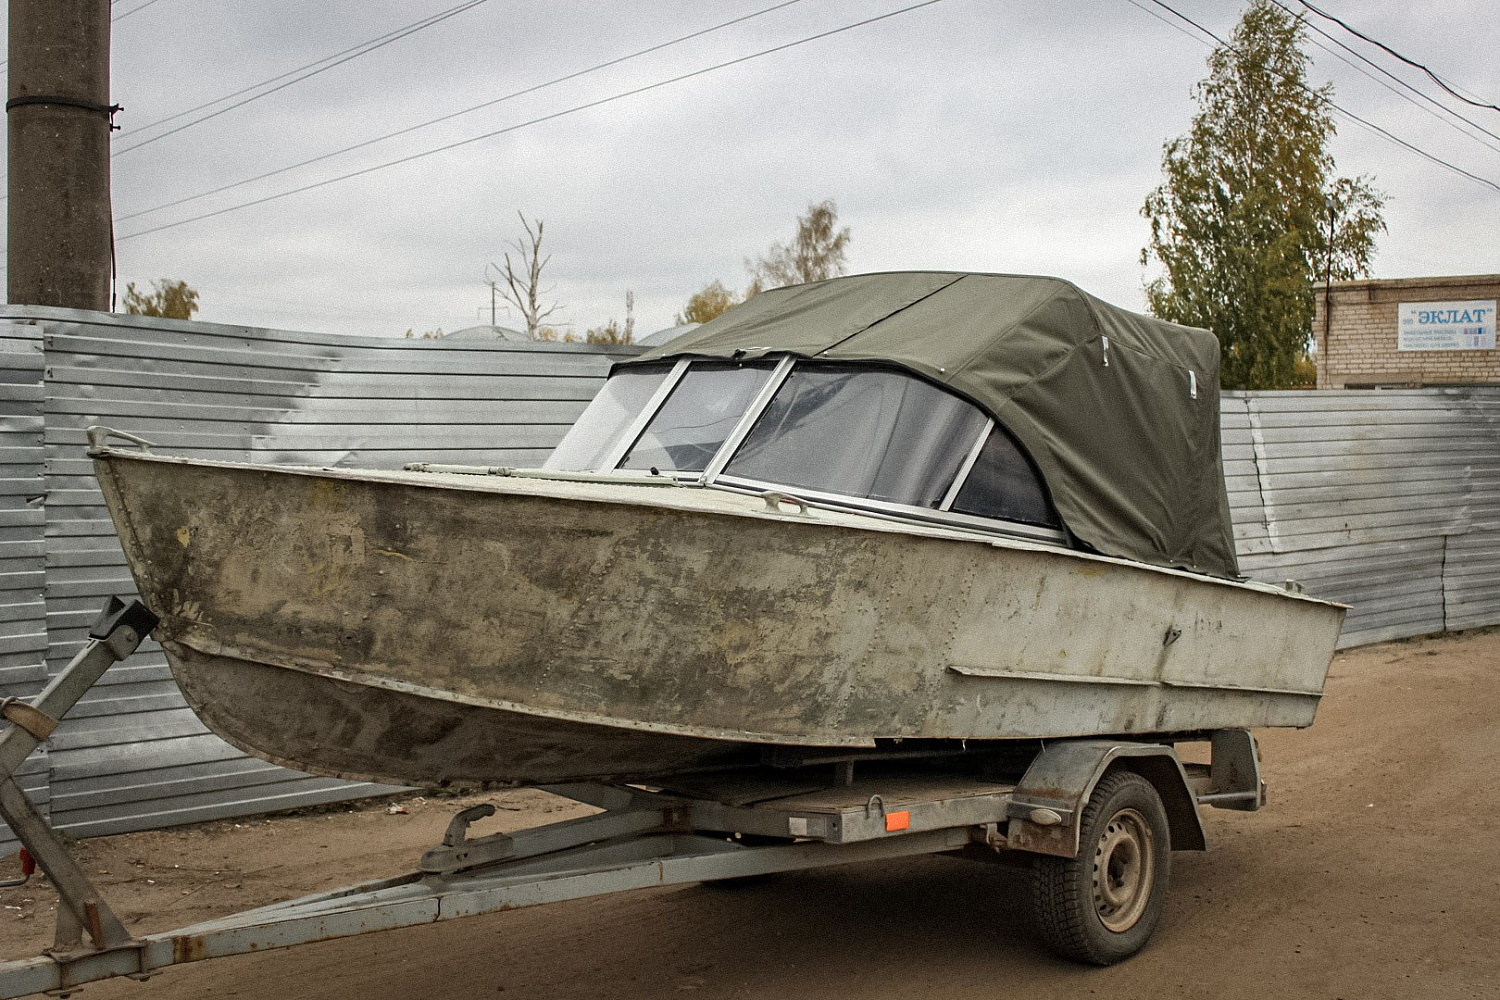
column 58, row 232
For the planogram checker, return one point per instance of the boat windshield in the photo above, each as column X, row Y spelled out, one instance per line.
column 862, row 432
column 882, row 438
column 697, row 417
column 607, row 419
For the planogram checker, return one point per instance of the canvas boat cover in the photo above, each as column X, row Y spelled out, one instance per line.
column 1119, row 411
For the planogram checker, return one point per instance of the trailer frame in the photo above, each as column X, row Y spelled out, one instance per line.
column 798, row 812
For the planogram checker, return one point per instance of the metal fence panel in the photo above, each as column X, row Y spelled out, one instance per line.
column 23, row 610
column 1386, row 500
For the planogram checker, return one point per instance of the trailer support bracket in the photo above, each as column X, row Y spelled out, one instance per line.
column 116, row 634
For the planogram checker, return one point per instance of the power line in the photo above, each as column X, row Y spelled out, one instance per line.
column 538, row 120
column 307, row 72
column 442, row 118
column 118, row 17
column 1410, row 62
column 1442, row 109
column 1164, row 20
column 348, row 54
column 134, row 10
column 1370, row 126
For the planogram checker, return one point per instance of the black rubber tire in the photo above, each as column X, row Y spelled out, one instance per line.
column 1067, row 909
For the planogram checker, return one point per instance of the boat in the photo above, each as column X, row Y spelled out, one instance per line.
column 915, row 512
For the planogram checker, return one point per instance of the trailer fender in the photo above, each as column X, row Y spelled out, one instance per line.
column 1046, row 806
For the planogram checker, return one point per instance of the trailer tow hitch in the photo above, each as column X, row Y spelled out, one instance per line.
column 118, row 631
column 457, row 851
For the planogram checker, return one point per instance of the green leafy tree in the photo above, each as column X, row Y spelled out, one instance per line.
column 168, row 299
column 708, row 302
column 1241, row 222
column 816, row 254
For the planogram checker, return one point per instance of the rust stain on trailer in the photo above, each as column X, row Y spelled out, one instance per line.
column 189, row 948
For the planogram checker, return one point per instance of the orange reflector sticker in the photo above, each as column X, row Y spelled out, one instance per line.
column 898, row 821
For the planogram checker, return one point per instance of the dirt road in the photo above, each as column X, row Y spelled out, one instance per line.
column 1372, row 874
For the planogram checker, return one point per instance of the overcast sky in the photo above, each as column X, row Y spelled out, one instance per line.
column 965, row 135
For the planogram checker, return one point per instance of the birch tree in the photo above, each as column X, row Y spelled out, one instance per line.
column 1250, row 212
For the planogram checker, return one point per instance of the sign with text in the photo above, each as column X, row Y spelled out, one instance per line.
column 1446, row 326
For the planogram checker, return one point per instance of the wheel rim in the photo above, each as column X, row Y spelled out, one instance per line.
column 1124, row 870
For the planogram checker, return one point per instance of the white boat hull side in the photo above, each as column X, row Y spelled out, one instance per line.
column 691, row 613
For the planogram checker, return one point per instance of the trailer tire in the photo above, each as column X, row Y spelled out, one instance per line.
column 1102, row 906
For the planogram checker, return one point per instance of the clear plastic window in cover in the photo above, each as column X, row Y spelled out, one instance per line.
column 697, row 417
column 599, row 430
column 1004, row 484
column 860, row 432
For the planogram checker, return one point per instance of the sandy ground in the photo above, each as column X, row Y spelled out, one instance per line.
column 1372, row 874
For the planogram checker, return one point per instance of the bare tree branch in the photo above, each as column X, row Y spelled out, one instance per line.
column 523, row 277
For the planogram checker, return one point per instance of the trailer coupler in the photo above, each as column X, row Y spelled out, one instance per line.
column 118, row 632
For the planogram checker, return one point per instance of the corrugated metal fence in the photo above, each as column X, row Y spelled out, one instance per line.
column 23, row 572
column 1386, row 500
column 1389, row 501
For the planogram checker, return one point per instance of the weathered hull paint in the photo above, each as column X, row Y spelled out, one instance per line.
column 418, row 628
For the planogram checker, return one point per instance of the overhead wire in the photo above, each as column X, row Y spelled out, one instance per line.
column 1441, row 108
column 338, row 59
column 455, row 114
column 553, row 116
column 1410, row 62
column 1139, row 5
column 370, row 45
column 1339, row 109
column 134, row 10
column 114, row 19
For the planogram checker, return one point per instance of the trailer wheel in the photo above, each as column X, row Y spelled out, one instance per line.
column 1102, row 906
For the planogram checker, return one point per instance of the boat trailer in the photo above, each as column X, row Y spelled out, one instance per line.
column 808, row 808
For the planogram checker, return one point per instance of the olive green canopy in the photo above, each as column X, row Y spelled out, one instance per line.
column 1119, row 411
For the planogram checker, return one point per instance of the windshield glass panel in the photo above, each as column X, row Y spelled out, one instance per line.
column 696, row 418
column 860, row 432
column 1004, row 484
column 600, row 428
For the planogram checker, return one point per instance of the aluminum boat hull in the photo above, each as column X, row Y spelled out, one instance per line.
column 420, row 628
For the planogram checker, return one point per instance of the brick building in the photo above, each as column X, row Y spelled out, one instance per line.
column 1407, row 332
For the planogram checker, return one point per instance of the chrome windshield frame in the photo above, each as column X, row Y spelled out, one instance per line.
column 962, row 475
column 747, row 420
column 637, row 427
column 897, row 511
